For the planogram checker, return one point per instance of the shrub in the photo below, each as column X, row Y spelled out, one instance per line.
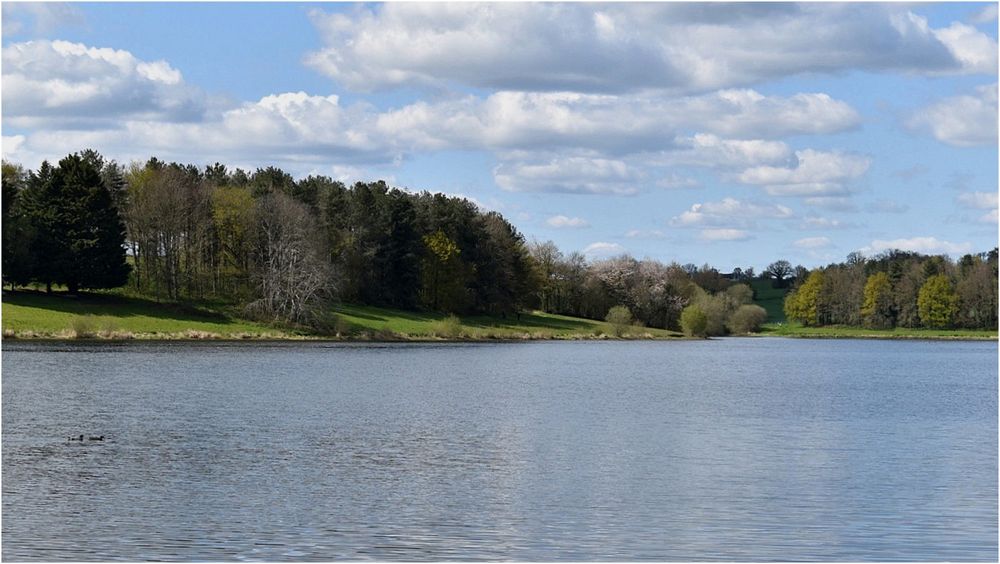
column 449, row 327
column 83, row 327
column 694, row 321
column 747, row 319
column 620, row 319
column 109, row 328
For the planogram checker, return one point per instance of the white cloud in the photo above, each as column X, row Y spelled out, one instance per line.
column 59, row 82
column 963, row 121
column 674, row 181
column 822, row 223
column 645, row 234
column 574, row 175
column 976, row 51
column 602, row 249
column 926, row 245
column 620, row 124
column 815, row 173
column 986, row 15
column 622, row 47
column 708, row 150
column 563, row 222
column 980, row 201
column 813, row 243
column 43, row 17
column 834, row 203
column 12, row 147
column 729, row 212
column 725, row 235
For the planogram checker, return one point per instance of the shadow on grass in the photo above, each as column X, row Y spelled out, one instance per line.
column 117, row 306
column 530, row 321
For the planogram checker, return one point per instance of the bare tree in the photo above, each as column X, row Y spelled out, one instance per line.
column 292, row 272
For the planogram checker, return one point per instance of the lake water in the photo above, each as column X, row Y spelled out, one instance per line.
column 733, row 449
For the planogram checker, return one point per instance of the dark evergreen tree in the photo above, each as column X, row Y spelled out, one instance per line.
column 18, row 261
column 80, row 237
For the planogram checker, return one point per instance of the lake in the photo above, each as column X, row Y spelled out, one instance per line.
column 730, row 449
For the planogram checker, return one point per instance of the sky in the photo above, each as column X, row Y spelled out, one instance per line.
column 726, row 134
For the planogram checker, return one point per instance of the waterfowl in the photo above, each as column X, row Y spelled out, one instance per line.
column 76, row 439
column 101, row 438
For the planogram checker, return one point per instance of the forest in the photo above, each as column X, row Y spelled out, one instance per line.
column 282, row 250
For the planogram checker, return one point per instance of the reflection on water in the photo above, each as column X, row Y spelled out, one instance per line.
column 737, row 450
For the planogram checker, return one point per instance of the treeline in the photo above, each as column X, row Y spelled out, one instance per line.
column 899, row 289
column 283, row 248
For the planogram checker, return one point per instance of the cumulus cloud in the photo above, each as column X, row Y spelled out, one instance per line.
column 964, row 121
column 615, row 124
column 574, row 175
column 729, row 212
column 708, row 150
column 623, row 47
column 815, row 173
column 725, row 235
column 813, row 243
column 294, row 129
column 59, row 82
column 564, row 222
column 926, row 245
column 980, row 201
column 602, row 249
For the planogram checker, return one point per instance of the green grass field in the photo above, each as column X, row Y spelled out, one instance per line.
column 771, row 299
column 37, row 315
column 793, row 329
column 27, row 315
column 374, row 321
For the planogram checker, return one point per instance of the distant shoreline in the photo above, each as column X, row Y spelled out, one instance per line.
column 108, row 318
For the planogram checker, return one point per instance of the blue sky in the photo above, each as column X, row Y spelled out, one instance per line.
column 728, row 134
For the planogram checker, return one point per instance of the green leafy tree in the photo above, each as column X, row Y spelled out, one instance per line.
column 694, row 321
column 779, row 272
column 804, row 304
column 878, row 307
column 937, row 302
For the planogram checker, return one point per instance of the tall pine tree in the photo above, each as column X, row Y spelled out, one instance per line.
column 80, row 239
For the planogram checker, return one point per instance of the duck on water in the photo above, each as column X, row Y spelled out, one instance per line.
column 91, row 438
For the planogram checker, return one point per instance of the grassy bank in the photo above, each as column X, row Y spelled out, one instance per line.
column 35, row 315
column 31, row 315
column 366, row 320
column 843, row 332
